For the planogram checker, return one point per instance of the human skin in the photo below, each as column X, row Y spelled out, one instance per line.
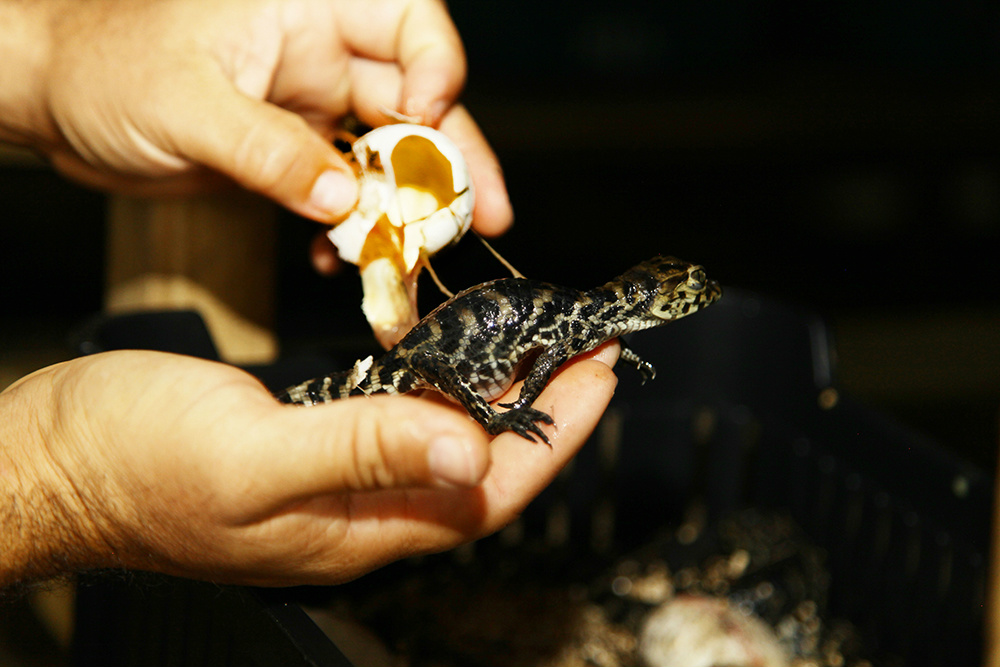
column 167, row 463
column 160, row 462
column 166, row 96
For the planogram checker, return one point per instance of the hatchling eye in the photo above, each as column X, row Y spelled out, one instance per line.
column 696, row 280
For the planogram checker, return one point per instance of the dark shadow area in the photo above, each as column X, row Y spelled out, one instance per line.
column 843, row 157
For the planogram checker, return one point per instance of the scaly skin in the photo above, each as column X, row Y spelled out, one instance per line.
column 472, row 345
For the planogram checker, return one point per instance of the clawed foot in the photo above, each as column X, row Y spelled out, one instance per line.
column 646, row 371
column 521, row 421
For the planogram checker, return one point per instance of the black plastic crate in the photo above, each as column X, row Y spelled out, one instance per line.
column 744, row 412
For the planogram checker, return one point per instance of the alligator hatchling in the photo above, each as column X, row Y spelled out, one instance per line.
column 473, row 345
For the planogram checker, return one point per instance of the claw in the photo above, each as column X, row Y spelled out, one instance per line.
column 646, row 371
column 523, row 422
column 533, row 428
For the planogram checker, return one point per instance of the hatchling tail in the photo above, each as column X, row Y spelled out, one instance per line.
column 314, row 392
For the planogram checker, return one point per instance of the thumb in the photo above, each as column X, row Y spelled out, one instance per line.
column 269, row 150
column 370, row 444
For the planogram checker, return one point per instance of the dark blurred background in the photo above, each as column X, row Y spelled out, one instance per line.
column 841, row 156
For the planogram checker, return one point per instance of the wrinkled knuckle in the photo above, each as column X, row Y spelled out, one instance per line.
column 266, row 160
column 372, row 464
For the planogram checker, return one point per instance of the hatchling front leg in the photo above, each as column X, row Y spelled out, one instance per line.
column 629, row 356
column 446, row 379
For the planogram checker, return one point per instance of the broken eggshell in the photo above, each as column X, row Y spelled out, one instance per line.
column 415, row 197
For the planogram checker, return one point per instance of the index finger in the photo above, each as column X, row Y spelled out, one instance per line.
column 493, row 214
column 433, row 60
column 420, row 37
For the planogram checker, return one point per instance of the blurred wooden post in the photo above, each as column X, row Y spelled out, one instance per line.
column 212, row 253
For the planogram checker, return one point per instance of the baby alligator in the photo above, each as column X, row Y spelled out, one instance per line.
column 472, row 346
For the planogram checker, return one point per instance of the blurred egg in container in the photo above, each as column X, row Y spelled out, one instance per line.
column 695, row 631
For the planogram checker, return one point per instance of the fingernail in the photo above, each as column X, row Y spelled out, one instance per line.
column 436, row 111
column 450, row 461
column 333, row 193
column 428, row 112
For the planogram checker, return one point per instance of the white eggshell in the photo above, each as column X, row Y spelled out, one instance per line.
column 415, row 197
column 403, row 176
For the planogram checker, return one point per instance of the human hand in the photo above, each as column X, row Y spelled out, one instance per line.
column 165, row 95
column 167, row 463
